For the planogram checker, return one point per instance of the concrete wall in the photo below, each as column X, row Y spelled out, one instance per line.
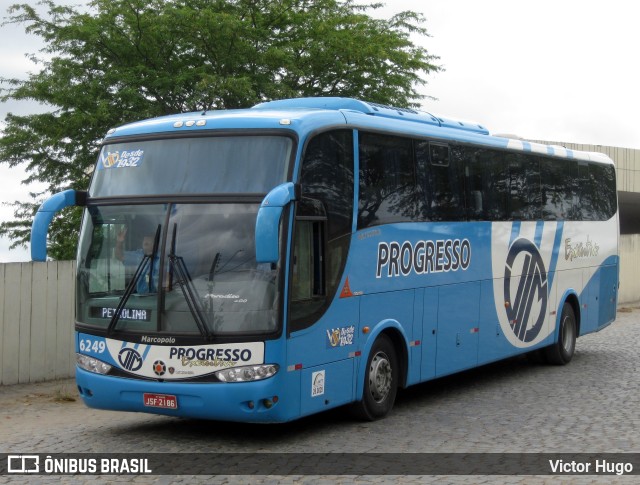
column 36, row 321
column 629, row 268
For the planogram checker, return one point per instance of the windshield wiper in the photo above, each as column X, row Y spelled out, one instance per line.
column 172, row 251
column 214, row 265
column 134, row 281
column 183, row 278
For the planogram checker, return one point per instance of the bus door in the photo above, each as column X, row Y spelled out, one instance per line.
column 323, row 327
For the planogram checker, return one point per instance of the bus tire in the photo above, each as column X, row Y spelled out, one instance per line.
column 380, row 381
column 561, row 352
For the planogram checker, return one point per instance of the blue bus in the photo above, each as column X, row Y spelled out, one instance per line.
column 265, row 264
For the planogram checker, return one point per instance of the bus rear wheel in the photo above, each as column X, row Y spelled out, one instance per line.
column 561, row 352
column 380, row 381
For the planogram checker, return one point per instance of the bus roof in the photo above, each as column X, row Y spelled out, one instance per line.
column 305, row 115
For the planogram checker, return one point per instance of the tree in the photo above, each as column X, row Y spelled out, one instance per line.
column 125, row 60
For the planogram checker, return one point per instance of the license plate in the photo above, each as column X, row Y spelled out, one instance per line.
column 164, row 401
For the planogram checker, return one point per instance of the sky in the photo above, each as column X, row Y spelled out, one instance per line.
column 556, row 70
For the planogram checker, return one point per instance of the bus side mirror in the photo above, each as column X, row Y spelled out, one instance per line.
column 44, row 216
column 268, row 221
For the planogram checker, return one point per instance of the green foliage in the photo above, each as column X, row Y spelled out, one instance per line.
column 125, row 60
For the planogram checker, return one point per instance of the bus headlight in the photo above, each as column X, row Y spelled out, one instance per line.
column 92, row 365
column 247, row 373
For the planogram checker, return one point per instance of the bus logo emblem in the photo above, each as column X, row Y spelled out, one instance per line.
column 110, row 159
column 130, row 359
column 527, row 308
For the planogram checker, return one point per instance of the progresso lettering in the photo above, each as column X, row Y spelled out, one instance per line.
column 190, row 353
column 442, row 255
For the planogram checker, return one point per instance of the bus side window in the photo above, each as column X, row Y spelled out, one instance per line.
column 474, row 178
column 585, row 194
column 439, row 181
column 603, row 180
column 495, row 184
column 387, row 180
column 572, row 178
column 556, row 189
column 524, row 188
column 486, row 183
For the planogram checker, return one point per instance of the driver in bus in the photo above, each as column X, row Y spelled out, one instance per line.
column 134, row 257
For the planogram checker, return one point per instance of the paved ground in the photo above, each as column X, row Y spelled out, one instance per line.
column 589, row 406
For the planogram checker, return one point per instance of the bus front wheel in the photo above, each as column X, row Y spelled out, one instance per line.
column 380, row 381
column 562, row 351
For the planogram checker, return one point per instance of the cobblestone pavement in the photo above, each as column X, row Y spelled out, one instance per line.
column 592, row 406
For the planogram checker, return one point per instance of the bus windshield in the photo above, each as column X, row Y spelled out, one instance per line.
column 175, row 268
column 203, row 165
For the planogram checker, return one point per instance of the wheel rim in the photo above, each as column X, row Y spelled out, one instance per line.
column 380, row 377
column 568, row 335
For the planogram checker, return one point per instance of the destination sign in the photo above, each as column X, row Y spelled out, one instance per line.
column 132, row 314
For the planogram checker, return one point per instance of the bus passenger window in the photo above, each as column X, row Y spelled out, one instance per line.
column 486, row 183
column 387, row 181
column 524, row 188
column 603, row 180
column 585, row 194
column 439, row 182
column 556, row 183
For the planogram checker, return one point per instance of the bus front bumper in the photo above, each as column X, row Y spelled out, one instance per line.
column 256, row 401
